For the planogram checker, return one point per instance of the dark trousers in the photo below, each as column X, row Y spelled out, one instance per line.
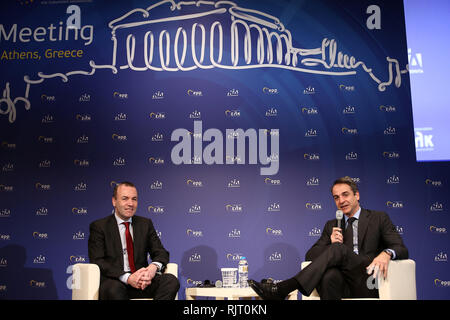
column 162, row 287
column 337, row 273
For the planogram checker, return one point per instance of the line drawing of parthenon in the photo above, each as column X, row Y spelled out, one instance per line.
column 186, row 50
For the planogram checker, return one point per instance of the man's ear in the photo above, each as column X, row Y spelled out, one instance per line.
column 357, row 195
column 114, row 202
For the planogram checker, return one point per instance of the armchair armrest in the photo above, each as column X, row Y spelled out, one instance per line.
column 172, row 268
column 85, row 281
column 400, row 283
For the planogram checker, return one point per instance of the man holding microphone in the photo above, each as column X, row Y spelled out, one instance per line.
column 348, row 252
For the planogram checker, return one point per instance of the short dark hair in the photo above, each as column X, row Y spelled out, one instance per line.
column 124, row 183
column 348, row 181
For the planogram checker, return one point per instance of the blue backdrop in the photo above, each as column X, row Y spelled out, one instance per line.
column 86, row 107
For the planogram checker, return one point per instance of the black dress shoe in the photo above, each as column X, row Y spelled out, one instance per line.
column 267, row 291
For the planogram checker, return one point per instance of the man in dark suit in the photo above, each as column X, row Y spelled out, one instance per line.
column 120, row 243
column 343, row 261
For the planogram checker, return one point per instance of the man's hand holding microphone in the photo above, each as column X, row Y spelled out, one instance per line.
column 336, row 235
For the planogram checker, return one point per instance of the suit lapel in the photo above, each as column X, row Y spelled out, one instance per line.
column 136, row 236
column 114, row 230
column 363, row 223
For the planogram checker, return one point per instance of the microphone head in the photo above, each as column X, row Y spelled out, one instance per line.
column 339, row 214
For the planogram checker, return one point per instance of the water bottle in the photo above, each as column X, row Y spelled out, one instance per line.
column 243, row 272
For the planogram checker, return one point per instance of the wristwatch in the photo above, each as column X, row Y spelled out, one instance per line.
column 389, row 252
column 158, row 265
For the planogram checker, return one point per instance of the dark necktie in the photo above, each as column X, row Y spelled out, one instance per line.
column 348, row 235
column 129, row 247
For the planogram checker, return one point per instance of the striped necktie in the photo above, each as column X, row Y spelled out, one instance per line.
column 348, row 235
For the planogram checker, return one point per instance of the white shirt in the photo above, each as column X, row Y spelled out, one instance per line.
column 123, row 240
column 355, row 233
column 355, row 229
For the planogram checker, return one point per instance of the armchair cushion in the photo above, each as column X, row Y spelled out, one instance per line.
column 400, row 283
column 86, row 280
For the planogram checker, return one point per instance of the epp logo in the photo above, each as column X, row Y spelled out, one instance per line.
column 194, row 184
column 267, row 90
column 272, row 182
column 434, row 183
column 441, row 283
column 42, row 187
column 344, row 87
column 119, row 95
column 194, row 233
column 349, row 131
column 438, row 230
column 5, row 188
column 117, row 137
column 193, row 93
column 274, row 232
column 5, row 237
column 37, row 284
column 40, row 235
column 46, row 98
column 191, row 282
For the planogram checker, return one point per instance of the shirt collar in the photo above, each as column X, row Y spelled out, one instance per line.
column 356, row 215
column 120, row 221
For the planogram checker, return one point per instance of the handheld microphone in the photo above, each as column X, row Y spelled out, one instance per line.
column 339, row 216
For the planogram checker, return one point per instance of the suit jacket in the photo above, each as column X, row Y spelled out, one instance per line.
column 375, row 233
column 105, row 247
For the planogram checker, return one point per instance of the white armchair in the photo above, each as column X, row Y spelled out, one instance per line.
column 400, row 283
column 86, row 280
